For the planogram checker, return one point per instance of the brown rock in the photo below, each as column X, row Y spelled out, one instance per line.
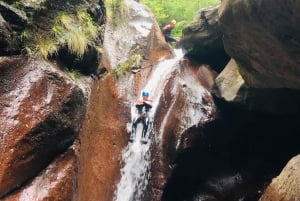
column 265, row 50
column 285, row 187
column 102, row 140
column 40, row 116
column 266, row 46
column 186, row 104
column 55, row 183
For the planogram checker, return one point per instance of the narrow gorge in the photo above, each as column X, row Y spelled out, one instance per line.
column 226, row 103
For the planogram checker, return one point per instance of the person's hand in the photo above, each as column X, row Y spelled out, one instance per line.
column 147, row 102
column 139, row 102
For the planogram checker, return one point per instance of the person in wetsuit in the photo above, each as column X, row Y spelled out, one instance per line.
column 143, row 105
column 167, row 30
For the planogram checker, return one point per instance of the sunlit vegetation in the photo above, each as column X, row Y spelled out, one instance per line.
column 46, row 47
column 74, row 32
column 183, row 12
column 116, row 11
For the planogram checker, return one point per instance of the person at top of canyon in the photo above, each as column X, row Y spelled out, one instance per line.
column 143, row 105
column 167, row 31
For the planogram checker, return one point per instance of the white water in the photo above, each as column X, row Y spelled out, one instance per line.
column 136, row 156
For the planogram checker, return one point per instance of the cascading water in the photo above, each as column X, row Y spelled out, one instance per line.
column 135, row 173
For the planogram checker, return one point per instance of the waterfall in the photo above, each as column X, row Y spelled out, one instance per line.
column 136, row 157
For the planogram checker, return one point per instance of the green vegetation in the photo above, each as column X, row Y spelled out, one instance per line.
column 183, row 12
column 116, row 11
column 73, row 31
column 133, row 62
column 75, row 74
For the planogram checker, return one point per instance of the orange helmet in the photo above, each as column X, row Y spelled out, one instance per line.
column 173, row 22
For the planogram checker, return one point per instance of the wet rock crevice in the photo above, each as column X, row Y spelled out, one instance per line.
column 233, row 158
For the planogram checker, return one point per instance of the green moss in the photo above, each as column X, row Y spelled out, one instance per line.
column 75, row 74
column 122, row 69
column 133, row 62
column 74, row 32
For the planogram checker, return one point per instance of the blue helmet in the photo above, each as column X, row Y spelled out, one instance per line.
column 145, row 93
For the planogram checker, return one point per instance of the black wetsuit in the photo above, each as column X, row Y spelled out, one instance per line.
column 142, row 117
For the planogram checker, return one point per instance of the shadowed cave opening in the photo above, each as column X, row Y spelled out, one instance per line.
column 234, row 157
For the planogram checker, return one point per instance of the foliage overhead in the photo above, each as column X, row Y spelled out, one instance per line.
column 183, row 12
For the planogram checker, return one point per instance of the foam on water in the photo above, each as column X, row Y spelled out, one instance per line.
column 136, row 156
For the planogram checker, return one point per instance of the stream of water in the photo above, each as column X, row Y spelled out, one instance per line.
column 136, row 156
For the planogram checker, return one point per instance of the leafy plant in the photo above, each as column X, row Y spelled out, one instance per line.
column 25, row 35
column 46, row 47
column 73, row 31
column 133, row 62
column 183, row 12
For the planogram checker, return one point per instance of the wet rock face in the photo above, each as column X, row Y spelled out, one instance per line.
column 266, row 45
column 40, row 116
column 138, row 33
column 231, row 86
column 184, row 105
column 233, row 157
column 265, row 49
column 203, row 39
column 286, row 186
column 237, row 155
column 11, row 20
column 55, row 183
column 104, row 133
column 102, row 139
column 17, row 18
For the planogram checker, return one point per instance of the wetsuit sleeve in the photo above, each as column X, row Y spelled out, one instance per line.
column 148, row 106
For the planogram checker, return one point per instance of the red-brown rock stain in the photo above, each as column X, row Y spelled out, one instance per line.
column 103, row 138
